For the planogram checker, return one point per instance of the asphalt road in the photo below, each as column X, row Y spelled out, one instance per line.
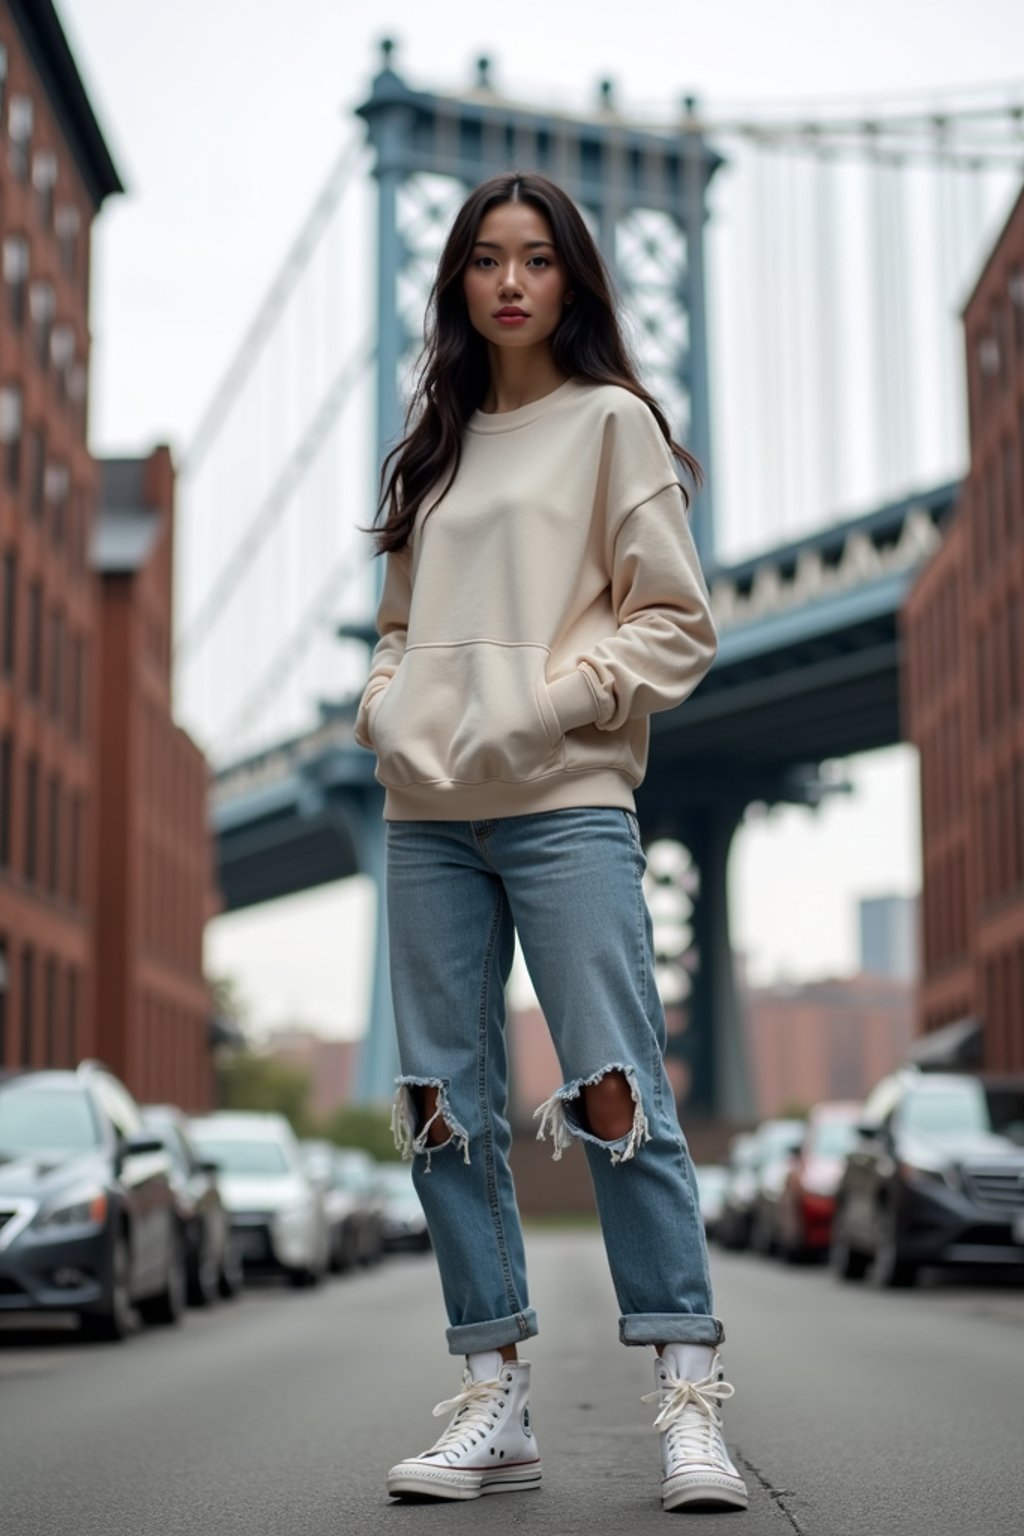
column 278, row 1415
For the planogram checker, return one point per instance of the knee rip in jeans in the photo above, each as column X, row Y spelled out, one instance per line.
column 403, row 1120
column 556, row 1115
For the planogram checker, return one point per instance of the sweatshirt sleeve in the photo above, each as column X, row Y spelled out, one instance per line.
column 392, row 625
column 666, row 639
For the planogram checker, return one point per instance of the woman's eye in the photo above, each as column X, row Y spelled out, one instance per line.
column 478, row 259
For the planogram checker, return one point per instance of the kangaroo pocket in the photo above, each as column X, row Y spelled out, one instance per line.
column 467, row 713
column 587, row 748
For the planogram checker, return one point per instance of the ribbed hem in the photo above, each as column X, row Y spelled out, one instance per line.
column 486, row 802
column 670, row 1328
column 469, row 1337
column 574, row 701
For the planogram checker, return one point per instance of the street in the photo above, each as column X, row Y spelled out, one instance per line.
column 855, row 1411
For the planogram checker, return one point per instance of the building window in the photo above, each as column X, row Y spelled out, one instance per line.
column 5, row 981
column 56, row 483
column 72, row 1017
column 32, row 819
column 66, row 223
column 10, row 433
column 19, row 132
column 56, row 663
column 50, row 1010
column 75, row 852
column 9, row 613
column 78, row 689
column 44, row 179
column 35, row 639
column 62, row 355
column 28, row 968
column 1017, row 303
column 53, row 837
column 6, row 795
column 36, row 472
column 42, row 304
column 16, row 261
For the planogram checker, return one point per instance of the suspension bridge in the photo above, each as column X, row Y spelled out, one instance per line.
column 791, row 287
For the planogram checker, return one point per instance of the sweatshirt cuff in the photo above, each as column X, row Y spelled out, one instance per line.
column 573, row 700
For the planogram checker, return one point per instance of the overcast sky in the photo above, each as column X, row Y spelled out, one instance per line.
column 225, row 116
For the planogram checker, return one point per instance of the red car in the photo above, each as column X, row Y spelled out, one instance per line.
column 809, row 1196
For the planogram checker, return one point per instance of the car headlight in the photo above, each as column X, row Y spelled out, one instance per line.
column 931, row 1173
column 294, row 1215
column 81, row 1208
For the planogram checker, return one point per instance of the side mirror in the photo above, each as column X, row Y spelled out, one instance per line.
column 143, row 1144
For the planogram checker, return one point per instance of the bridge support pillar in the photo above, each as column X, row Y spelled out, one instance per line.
column 720, row 1085
column 378, row 1055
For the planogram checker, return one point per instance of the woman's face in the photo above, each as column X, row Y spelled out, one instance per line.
column 514, row 264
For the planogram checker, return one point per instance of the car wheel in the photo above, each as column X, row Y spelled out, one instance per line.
column 167, row 1307
column 845, row 1262
column 886, row 1270
column 117, row 1320
column 205, row 1287
column 232, row 1275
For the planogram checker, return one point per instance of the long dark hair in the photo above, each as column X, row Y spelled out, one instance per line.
column 454, row 374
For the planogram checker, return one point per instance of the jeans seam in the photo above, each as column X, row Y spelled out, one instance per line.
column 487, row 1137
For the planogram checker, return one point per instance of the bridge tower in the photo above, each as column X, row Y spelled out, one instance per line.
column 643, row 192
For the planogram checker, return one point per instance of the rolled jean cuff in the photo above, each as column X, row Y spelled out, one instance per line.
column 670, row 1328
column 467, row 1338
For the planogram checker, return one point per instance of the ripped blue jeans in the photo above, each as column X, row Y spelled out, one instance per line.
column 570, row 883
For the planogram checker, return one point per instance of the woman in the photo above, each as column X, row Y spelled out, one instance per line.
column 542, row 598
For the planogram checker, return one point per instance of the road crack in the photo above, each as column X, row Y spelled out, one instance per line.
column 778, row 1494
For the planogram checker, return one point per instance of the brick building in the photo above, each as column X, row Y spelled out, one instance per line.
column 105, row 857
column 155, row 889
column 963, row 625
column 55, row 172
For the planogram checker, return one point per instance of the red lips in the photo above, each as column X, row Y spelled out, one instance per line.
column 510, row 309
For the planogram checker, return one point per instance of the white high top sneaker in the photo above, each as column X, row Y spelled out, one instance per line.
column 697, row 1470
column 489, row 1446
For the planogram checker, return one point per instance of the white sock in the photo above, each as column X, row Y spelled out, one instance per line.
column 689, row 1362
column 485, row 1364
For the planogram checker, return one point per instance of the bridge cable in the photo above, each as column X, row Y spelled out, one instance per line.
column 266, row 516
column 295, row 262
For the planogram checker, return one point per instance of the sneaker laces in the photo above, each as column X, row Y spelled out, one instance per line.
column 474, row 1413
column 698, row 1434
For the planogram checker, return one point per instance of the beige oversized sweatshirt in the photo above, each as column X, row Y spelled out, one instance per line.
column 537, row 617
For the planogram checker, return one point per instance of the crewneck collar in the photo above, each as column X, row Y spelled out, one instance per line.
column 508, row 421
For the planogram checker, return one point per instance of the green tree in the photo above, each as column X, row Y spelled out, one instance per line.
column 247, row 1080
column 363, row 1125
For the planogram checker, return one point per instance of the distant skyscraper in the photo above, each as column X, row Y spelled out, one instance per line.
column 888, row 936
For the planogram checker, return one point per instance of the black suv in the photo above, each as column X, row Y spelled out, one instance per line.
column 936, row 1176
column 87, row 1216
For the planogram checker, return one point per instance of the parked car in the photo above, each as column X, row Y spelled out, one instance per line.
column 356, row 1172
column 711, row 1182
column 739, row 1193
column 88, row 1222
column 277, row 1212
column 212, row 1260
column 404, row 1224
column 777, row 1143
column 936, row 1176
column 342, row 1205
column 804, row 1215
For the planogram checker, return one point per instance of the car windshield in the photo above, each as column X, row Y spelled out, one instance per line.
column 243, row 1154
column 961, row 1108
column 37, row 1119
column 833, row 1138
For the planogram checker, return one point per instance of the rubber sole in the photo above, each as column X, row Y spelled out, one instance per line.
column 409, row 1480
column 705, row 1493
